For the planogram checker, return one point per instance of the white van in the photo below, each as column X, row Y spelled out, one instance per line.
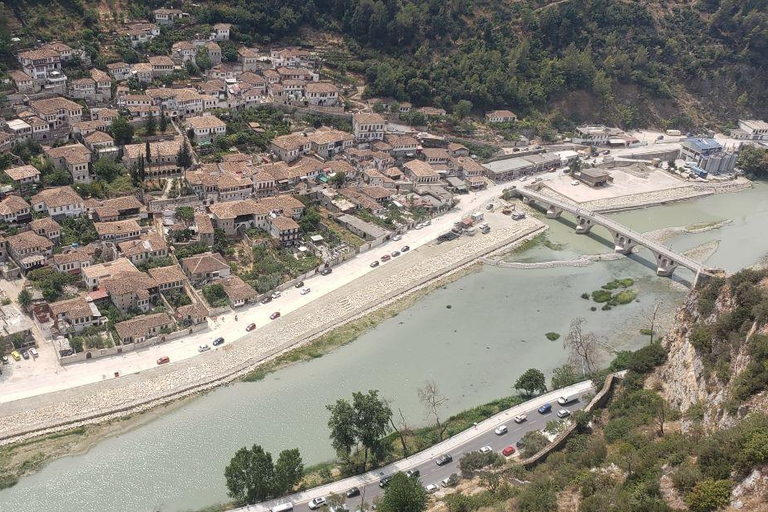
column 566, row 399
column 285, row 507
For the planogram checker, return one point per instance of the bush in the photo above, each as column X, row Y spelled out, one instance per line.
column 601, row 296
column 533, row 442
column 686, row 477
column 472, row 461
column 552, row 336
column 215, row 296
column 647, row 358
column 709, row 495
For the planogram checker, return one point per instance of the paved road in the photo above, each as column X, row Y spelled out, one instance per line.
column 460, row 444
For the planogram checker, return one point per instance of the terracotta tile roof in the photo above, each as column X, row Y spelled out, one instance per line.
column 140, row 326
column 420, row 169
column 22, row 172
column 202, row 122
column 291, row 141
column 118, row 227
column 12, row 205
column 366, row 118
column 45, row 224
column 233, row 209
column 122, row 283
column 237, row 289
column 73, row 308
column 151, row 242
column 56, row 197
column 38, row 54
column 203, row 223
column 19, row 76
column 160, row 60
column 73, row 255
column 53, row 105
column 167, row 275
column 164, row 148
column 283, row 223
column 28, row 240
column 73, row 154
column 204, row 263
column 329, row 136
column 98, row 137
column 111, row 268
column 320, row 87
column 196, row 310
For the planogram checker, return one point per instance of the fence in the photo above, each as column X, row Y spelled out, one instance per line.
column 159, row 205
column 559, row 441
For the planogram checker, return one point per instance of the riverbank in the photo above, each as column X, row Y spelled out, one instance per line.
column 115, row 398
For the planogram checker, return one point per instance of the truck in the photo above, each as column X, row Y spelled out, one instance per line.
column 567, row 399
column 477, row 216
column 674, row 133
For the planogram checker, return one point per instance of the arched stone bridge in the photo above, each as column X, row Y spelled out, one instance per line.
column 624, row 239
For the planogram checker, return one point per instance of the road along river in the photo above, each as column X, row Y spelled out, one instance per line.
column 493, row 331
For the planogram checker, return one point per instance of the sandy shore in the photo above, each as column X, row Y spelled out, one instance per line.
column 93, row 403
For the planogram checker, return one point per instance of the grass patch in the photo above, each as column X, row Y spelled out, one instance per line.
column 646, row 332
column 625, row 296
column 618, row 283
column 601, row 296
column 552, row 336
column 605, row 294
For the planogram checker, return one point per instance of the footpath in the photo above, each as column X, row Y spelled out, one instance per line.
column 450, row 444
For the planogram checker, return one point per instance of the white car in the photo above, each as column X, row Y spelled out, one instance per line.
column 305, row 291
column 275, row 295
column 431, row 488
column 501, row 430
column 574, row 182
column 397, row 238
column 316, row 503
column 418, row 226
column 563, row 413
column 520, row 418
column 33, row 352
column 203, row 348
column 486, row 449
column 523, row 178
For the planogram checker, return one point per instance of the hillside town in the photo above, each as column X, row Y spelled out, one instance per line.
column 140, row 201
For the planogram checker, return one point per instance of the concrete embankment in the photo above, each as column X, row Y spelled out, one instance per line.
column 114, row 398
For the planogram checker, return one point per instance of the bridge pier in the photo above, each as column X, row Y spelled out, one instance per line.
column 553, row 212
column 583, row 225
column 527, row 200
column 665, row 266
column 622, row 244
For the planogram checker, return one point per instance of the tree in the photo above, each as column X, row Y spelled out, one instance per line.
column 432, row 400
column 754, row 161
column 147, row 152
column 150, row 125
column 709, row 495
column 289, row 469
column 563, row 376
column 107, row 169
column 121, row 131
column 24, row 299
column 651, row 317
column 533, row 442
column 531, row 381
column 462, row 109
column 163, row 122
column 252, row 477
column 184, row 156
column 185, row 213
column 472, row 461
column 582, row 347
column 575, row 166
column 202, row 59
column 360, row 423
column 403, row 494
column 338, row 179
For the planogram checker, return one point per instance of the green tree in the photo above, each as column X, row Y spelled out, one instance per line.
column 150, row 125
column 575, row 165
column 185, row 213
column 289, row 469
column 121, row 131
column 709, row 495
column 24, row 299
column 531, row 381
column 563, row 376
column 163, row 122
column 107, row 169
column 363, row 422
column 202, row 59
column 250, row 475
column 184, row 156
column 403, row 494
column 338, row 179
column 533, row 442
column 753, row 160
column 462, row 109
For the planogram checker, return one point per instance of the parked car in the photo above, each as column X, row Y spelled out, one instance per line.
column 250, row 327
column 397, row 238
column 427, row 222
column 452, row 480
column 266, row 300
column 16, row 356
column 316, row 503
column 489, row 207
column 431, row 488
column 520, row 418
column 385, row 481
column 574, row 182
column 218, row 341
column 386, row 258
column 305, row 291
column 338, row 508
column 520, row 443
column 275, row 295
column 509, row 450
column 563, row 413
column 24, row 354
column 6, row 360
column 203, row 348
column 405, row 248
column 163, row 360
column 486, row 449
column 418, row 226
column 351, row 493
column 33, row 352
column 326, row 271
column 444, row 459
column 501, row 430
column 413, row 473
column 395, row 254
column 374, row 264
column 546, row 408
column 299, row 284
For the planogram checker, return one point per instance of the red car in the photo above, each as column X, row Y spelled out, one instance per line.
column 163, row 360
column 386, row 258
column 274, row 315
column 250, row 327
column 509, row 450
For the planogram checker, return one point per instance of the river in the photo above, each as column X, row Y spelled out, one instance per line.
column 492, row 332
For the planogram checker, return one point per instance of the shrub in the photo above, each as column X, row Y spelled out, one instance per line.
column 686, row 477
column 552, row 336
column 601, row 296
column 647, row 358
column 215, row 296
column 709, row 495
